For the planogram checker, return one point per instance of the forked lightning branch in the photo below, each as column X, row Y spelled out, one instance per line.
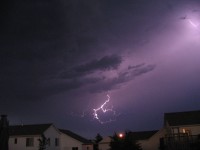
column 103, row 109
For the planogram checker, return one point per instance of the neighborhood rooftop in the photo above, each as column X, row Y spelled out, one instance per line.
column 36, row 129
column 182, row 118
column 143, row 135
column 75, row 136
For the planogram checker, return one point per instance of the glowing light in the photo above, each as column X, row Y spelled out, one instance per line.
column 103, row 109
column 183, row 130
column 121, row 135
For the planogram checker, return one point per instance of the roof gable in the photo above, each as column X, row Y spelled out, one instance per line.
column 107, row 139
column 75, row 136
column 182, row 118
column 143, row 135
column 36, row 129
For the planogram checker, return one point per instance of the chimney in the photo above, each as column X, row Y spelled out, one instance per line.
column 4, row 121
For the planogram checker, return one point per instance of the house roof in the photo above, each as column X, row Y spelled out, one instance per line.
column 36, row 129
column 105, row 140
column 76, row 136
column 182, row 118
column 143, row 135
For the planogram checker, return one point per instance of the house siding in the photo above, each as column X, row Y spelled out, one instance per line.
column 68, row 142
column 153, row 143
column 21, row 143
column 51, row 133
column 194, row 129
column 105, row 144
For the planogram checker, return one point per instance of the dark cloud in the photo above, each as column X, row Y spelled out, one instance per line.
column 123, row 77
column 55, row 54
column 111, row 62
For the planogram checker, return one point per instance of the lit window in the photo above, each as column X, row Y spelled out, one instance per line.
column 183, row 130
column 56, row 142
column 187, row 131
column 29, row 142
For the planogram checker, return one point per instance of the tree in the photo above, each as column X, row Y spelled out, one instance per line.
column 125, row 142
column 98, row 138
column 43, row 142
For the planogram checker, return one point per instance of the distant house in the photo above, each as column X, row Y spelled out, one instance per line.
column 148, row 140
column 25, row 137
column 72, row 141
column 104, row 144
column 182, row 131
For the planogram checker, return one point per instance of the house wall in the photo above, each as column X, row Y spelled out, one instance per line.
column 68, row 142
column 105, row 143
column 87, row 147
column 194, row 130
column 21, row 143
column 51, row 133
column 104, row 146
column 152, row 143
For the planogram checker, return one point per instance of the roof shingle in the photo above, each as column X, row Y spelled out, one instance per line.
column 143, row 135
column 75, row 136
column 182, row 118
column 36, row 129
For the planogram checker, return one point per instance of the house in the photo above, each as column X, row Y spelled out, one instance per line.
column 182, row 131
column 25, row 137
column 104, row 144
column 72, row 141
column 148, row 140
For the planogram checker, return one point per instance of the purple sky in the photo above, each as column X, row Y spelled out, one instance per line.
column 60, row 58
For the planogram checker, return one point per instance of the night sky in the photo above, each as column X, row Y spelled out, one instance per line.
column 60, row 58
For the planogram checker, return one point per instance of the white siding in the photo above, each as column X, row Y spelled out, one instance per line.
column 21, row 143
column 153, row 142
column 68, row 142
column 105, row 144
column 87, row 147
column 51, row 133
column 195, row 129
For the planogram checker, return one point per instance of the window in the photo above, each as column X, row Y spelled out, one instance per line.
column 74, row 148
column 15, row 140
column 56, row 142
column 29, row 142
column 175, row 131
column 48, row 141
column 187, row 131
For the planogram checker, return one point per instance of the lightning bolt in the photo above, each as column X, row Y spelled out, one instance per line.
column 192, row 23
column 195, row 25
column 96, row 112
column 103, row 109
